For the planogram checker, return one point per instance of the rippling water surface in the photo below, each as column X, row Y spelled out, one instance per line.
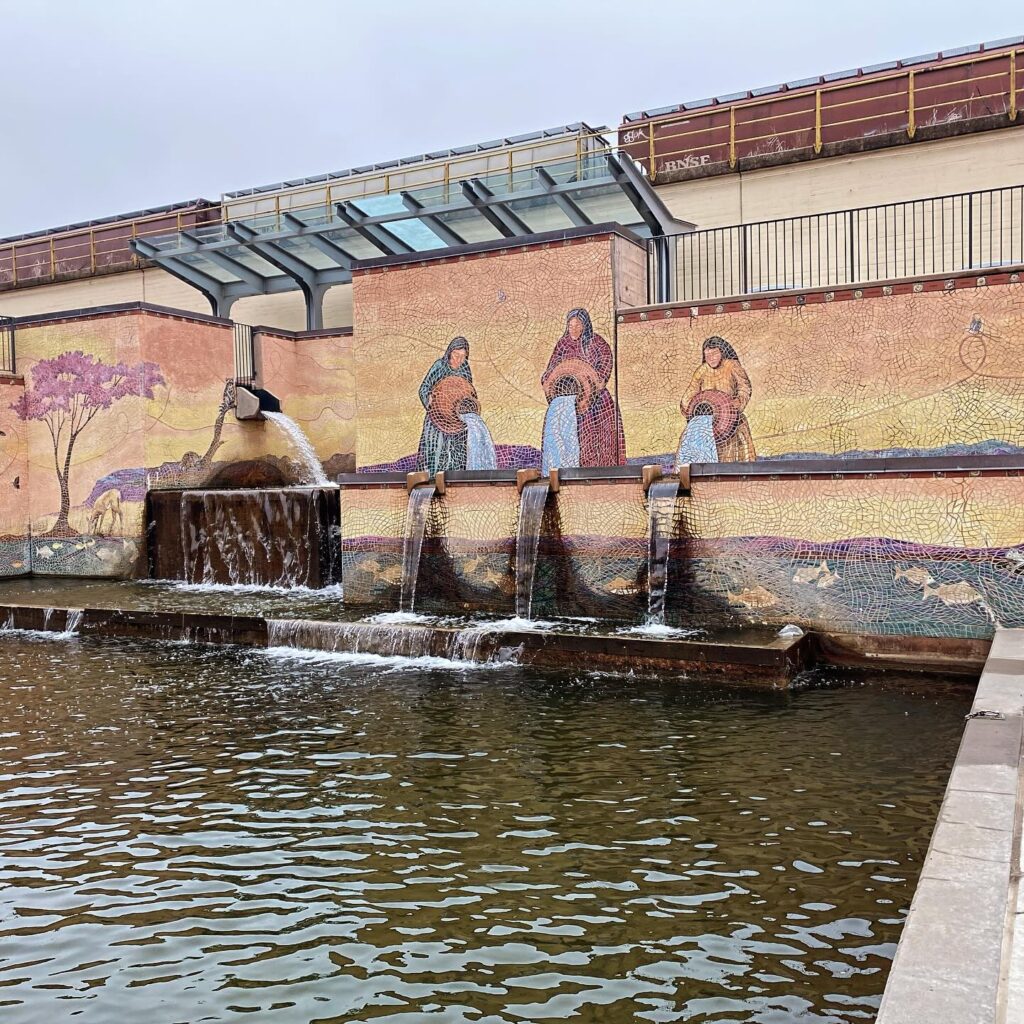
column 196, row 834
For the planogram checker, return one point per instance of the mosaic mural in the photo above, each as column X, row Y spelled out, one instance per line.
column 14, row 555
column 922, row 373
column 117, row 404
column 487, row 361
column 315, row 378
column 936, row 555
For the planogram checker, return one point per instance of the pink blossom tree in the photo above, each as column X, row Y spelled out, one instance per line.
column 66, row 394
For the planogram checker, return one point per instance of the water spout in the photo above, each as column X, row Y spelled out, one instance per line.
column 415, row 526
column 297, row 436
column 661, row 503
column 532, row 500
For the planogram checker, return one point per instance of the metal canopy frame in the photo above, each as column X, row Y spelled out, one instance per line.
column 249, row 257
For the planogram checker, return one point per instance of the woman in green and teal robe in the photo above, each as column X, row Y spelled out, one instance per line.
column 440, row 451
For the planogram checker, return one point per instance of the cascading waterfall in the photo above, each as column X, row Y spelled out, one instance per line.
column 297, row 436
column 415, row 526
column 480, row 453
column 561, row 439
column 479, row 644
column 531, row 513
column 251, row 537
column 661, row 503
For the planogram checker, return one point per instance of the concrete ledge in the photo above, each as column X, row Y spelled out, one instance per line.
column 961, row 956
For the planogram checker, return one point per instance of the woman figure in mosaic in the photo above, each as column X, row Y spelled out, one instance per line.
column 721, row 388
column 580, row 367
column 449, row 398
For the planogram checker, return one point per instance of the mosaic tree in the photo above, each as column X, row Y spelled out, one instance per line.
column 66, row 393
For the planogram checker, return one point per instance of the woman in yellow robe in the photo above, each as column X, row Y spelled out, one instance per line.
column 720, row 370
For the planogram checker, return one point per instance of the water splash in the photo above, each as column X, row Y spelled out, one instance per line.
column 661, row 503
column 302, row 444
column 531, row 514
column 480, row 453
column 415, row 526
column 72, row 621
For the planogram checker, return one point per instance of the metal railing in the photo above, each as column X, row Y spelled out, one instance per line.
column 983, row 86
column 88, row 249
column 245, row 357
column 8, row 364
column 921, row 237
column 508, row 167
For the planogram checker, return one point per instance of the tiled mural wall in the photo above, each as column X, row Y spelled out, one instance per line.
column 14, row 482
column 314, row 376
column 935, row 554
column 926, row 370
column 120, row 402
column 459, row 362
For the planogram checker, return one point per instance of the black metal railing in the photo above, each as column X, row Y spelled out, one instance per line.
column 7, row 360
column 245, row 361
column 939, row 235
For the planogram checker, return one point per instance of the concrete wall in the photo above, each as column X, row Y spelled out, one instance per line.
column 156, row 287
column 965, row 164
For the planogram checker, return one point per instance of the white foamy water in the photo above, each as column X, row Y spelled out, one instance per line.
column 386, row 662
column 333, row 592
column 70, row 631
column 399, row 619
column 302, row 444
column 515, row 623
column 659, row 631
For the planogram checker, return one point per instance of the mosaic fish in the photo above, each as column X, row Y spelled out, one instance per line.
column 810, row 573
column 953, row 593
column 620, row 585
column 471, row 565
column 916, row 574
column 44, row 552
column 757, row 597
column 392, row 575
column 828, row 578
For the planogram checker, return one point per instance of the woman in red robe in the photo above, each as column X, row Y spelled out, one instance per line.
column 581, row 364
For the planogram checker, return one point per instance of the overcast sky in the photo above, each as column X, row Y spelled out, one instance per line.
column 108, row 106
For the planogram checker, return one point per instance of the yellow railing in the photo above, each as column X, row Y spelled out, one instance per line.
column 77, row 252
column 510, row 161
column 815, row 105
column 106, row 247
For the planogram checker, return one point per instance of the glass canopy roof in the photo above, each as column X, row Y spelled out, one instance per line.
column 312, row 248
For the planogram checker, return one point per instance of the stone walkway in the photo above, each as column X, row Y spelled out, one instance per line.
column 961, row 957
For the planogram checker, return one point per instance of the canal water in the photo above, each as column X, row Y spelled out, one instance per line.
column 198, row 834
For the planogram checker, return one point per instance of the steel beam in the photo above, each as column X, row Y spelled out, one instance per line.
column 327, row 246
column 309, row 280
column 427, row 217
column 216, row 292
column 494, row 210
column 373, row 230
column 252, row 278
column 564, row 202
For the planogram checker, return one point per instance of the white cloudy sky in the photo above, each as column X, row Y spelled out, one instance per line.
column 108, row 106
